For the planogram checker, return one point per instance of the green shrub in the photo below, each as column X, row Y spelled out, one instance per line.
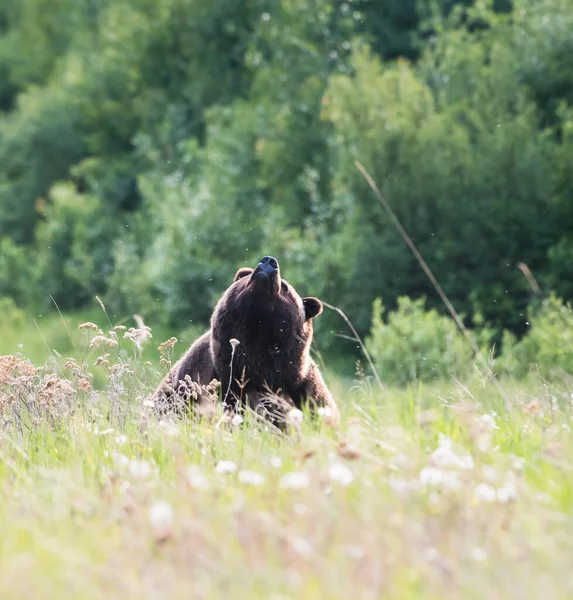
column 12, row 316
column 414, row 344
column 548, row 346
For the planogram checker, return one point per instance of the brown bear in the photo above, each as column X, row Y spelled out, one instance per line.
column 258, row 347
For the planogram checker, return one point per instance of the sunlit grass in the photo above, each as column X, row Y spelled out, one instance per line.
column 436, row 491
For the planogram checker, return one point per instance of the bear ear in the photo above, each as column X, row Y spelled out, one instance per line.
column 312, row 307
column 242, row 273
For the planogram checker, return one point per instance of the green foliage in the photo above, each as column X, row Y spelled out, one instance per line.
column 12, row 316
column 548, row 346
column 150, row 148
column 414, row 344
column 463, row 172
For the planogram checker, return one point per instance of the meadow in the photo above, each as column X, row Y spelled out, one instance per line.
column 449, row 490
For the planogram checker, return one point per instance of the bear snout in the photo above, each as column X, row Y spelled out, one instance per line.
column 268, row 263
column 266, row 275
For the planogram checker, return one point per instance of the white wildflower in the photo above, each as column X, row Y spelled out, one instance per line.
column 485, row 426
column 340, row 474
column 448, row 480
column 302, row 547
column 507, row 492
column 148, row 403
column 325, row 412
column 196, row 478
column 119, row 459
column 236, row 420
column 488, row 421
column 161, row 515
column 300, row 509
column 478, row 554
column 251, row 478
column 139, row 469
column 225, row 466
column 294, row 481
column 294, row 417
column 99, row 340
column 276, row 462
column 445, row 457
column 121, row 439
column 400, row 486
column 485, row 493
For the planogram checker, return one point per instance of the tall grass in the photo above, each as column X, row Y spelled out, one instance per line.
column 440, row 491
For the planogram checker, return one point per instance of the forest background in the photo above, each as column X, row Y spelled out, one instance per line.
column 149, row 148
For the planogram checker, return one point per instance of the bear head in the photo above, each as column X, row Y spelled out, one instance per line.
column 263, row 290
column 272, row 323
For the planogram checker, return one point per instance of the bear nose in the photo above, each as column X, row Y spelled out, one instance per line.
column 270, row 261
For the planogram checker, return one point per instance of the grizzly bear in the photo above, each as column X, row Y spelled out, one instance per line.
column 258, row 347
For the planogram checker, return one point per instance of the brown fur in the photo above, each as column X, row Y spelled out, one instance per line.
column 273, row 326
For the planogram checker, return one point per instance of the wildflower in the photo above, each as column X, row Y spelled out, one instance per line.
column 138, row 336
column 483, row 428
column 507, row 492
column 340, row 474
column 121, row 439
column 101, row 360
column 119, row 459
column 164, row 350
column 294, row 417
column 302, row 547
column 276, row 462
column 533, row 408
column 488, row 421
column 325, row 412
column 401, row 486
column 84, row 384
column 196, row 478
column 251, row 478
column 448, row 480
column 294, row 481
column 139, row 469
column 161, row 515
column 478, row 554
column 485, row 493
column 236, row 420
column 168, row 344
column 445, row 457
column 148, row 403
column 89, row 325
column 10, row 365
column 225, row 466
column 100, row 340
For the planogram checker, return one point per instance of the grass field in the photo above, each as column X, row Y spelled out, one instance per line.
column 447, row 491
